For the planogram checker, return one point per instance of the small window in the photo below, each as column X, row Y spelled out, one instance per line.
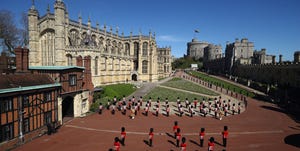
column 7, row 132
column 25, row 101
column 47, row 97
column 48, row 117
column 72, row 79
column 6, row 105
column 25, row 125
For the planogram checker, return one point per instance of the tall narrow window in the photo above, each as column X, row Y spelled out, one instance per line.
column 127, row 49
column 144, row 66
column 72, row 79
column 6, row 105
column 70, row 62
column 25, row 101
column 48, row 117
column 96, row 66
column 145, row 49
column 47, row 97
column 136, row 49
column 25, row 125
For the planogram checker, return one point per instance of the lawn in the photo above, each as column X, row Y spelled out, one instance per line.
column 109, row 92
column 222, row 83
column 189, row 86
column 172, row 95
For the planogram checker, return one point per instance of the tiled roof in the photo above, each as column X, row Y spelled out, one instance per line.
column 23, row 80
column 54, row 67
column 10, row 90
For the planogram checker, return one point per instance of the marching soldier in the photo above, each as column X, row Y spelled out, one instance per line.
column 151, row 134
column 225, row 136
column 202, row 134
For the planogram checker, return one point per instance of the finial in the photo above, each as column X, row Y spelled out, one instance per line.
column 32, row 7
column 48, row 9
column 79, row 16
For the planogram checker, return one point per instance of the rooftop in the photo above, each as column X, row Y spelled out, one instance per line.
column 23, row 80
column 54, row 67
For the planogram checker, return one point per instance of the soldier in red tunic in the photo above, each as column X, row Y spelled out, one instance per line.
column 211, row 144
column 183, row 144
column 175, row 127
column 201, row 135
column 117, row 144
column 151, row 134
column 225, row 136
column 178, row 136
column 123, row 136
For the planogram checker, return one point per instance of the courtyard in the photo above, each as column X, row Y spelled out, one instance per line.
column 262, row 126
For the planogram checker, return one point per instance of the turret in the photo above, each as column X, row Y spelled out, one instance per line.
column 59, row 10
column 34, row 54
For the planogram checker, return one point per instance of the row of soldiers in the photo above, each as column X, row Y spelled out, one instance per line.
column 218, row 107
column 180, row 140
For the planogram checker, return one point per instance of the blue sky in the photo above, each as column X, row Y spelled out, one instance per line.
column 270, row 24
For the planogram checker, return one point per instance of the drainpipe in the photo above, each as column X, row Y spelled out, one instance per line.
column 21, row 137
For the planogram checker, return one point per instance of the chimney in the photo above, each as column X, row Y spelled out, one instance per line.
column 21, row 59
column 88, row 73
column 79, row 61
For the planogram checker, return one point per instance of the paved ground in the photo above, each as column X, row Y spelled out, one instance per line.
column 263, row 126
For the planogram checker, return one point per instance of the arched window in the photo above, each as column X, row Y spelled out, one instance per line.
column 96, row 66
column 69, row 58
column 127, row 49
column 136, row 49
column 145, row 49
column 145, row 66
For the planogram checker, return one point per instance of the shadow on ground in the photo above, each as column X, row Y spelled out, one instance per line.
column 293, row 115
column 293, row 140
column 277, row 109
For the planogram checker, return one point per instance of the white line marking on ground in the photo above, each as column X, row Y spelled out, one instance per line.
column 164, row 133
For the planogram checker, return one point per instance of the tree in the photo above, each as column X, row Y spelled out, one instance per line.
column 185, row 62
column 11, row 35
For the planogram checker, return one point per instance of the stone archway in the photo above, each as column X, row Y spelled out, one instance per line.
column 134, row 77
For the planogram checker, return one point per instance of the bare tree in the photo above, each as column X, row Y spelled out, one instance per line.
column 9, row 33
column 24, row 30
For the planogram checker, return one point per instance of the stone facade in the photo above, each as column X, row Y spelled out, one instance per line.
column 212, row 52
column 238, row 52
column 260, row 57
column 164, row 61
column 203, row 50
column 56, row 40
column 195, row 48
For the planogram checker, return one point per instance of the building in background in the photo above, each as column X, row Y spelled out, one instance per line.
column 56, row 40
column 260, row 57
column 164, row 61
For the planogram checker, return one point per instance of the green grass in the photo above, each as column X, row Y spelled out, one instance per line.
column 109, row 92
column 222, row 83
column 172, row 95
column 189, row 86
